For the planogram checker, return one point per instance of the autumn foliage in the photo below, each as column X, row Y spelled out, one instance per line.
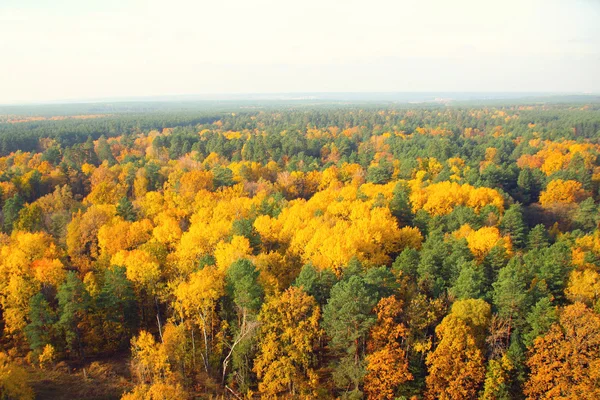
column 298, row 252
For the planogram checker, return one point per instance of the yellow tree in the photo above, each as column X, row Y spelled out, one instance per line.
column 152, row 367
column 196, row 302
column 82, row 234
column 584, row 286
column 13, row 380
column 565, row 363
column 28, row 261
column 456, row 367
column 387, row 365
column 289, row 334
column 562, row 192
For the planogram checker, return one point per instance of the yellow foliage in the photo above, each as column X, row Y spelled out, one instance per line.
column 456, row 366
column 120, row 235
column 481, row 241
column 167, row 230
column 149, row 360
column 565, row 362
column 441, row 198
column 82, row 234
column 227, row 253
column 584, row 286
column 290, row 332
column 337, row 224
column 47, row 357
column 141, row 267
column 13, row 380
column 562, row 192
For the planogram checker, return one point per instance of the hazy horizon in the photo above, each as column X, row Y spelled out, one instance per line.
column 131, row 49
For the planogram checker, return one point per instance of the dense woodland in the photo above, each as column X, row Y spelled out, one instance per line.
column 436, row 252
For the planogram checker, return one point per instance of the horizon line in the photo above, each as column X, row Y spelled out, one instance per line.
column 281, row 96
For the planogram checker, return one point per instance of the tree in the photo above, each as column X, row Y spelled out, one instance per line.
column 104, row 152
column 40, row 331
column 497, row 379
column 73, row 305
column 538, row 237
column 244, row 227
column 196, row 302
column 380, row 173
column 13, row 381
column 562, row 192
column 30, row 219
column 149, row 359
column 243, row 288
column 456, row 366
column 10, row 212
column 584, row 287
column 125, row 209
column 510, row 294
column 565, row 363
column 400, row 204
column 157, row 391
column 387, row 365
column 477, row 315
column 223, row 177
column 317, row 283
column 470, row 283
column 586, row 216
column 512, row 225
column 539, row 320
column 347, row 320
column 529, row 186
column 117, row 305
column 289, row 335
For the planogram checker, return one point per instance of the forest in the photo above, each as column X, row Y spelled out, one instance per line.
column 343, row 251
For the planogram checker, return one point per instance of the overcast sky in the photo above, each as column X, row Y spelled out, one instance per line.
column 90, row 49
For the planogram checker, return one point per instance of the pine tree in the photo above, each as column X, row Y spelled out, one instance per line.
column 400, row 204
column 125, row 209
column 104, row 152
column 40, row 331
column 317, row 283
column 10, row 212
column 347, row 319
column 538, row 238
column 512, row 225
column 117, row 304
column 73, row 305
column 470, row 283
column 586, row 216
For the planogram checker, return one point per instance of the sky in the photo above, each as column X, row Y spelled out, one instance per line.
column 74, row 50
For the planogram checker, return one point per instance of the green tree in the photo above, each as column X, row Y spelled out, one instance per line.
column 407, row 262
column 539, row 319
column 586, row 216
column 529, row 184
column 400, row 204
column 117, row 305
column 317, row 283
column 470, row 283
column 512, row 224
column 247, row 295
column 222, row 176
column 347, row 319
column 538, row 237
column 510, row 293
column 40, row 331
column 104, row 152
column 10, row 212
column 73, row 306
column 125, row 209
